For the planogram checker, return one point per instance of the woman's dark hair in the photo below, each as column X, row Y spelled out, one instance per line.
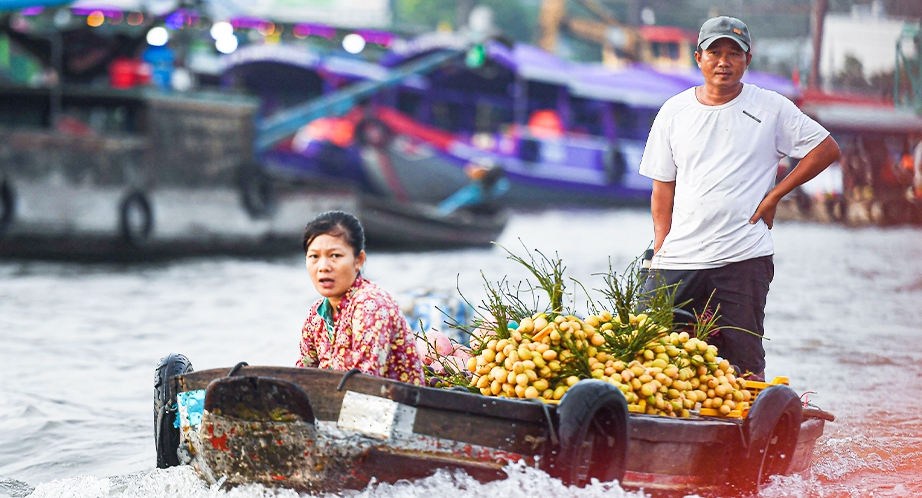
column 335, row 224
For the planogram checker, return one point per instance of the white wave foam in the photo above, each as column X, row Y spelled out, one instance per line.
column 182, row 482
column 14, row 488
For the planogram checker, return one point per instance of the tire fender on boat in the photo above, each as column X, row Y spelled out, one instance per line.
column 257, row 398
column 836, row 208
column 592, row 428
column 256, row 192
column 7, row 204
column 770, row 434
column 166, row 436
column 615, row 166
column 136, row 218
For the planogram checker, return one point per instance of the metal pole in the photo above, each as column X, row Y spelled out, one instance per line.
column 463, row 13
column 57, row 61
column 817, row 20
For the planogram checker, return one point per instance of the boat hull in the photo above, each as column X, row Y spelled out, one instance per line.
column 175, row 178
column 394, row 224
column 362, row 428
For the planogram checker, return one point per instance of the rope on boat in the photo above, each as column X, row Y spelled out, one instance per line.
column 237, row 368
column 547, row 417
column 346, row 376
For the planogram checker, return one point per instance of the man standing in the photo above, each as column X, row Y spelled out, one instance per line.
column 712, row 153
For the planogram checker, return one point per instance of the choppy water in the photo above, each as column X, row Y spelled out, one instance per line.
column 78, row 345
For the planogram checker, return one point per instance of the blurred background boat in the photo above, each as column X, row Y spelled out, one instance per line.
column 110, row 156
column 190, row 126
column 564, row 133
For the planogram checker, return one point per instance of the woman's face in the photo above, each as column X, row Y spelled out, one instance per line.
column 333, row 266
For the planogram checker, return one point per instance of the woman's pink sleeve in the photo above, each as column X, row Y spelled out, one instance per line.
column 308, row 351
column 379, row 329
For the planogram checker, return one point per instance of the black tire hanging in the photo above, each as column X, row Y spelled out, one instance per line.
column 593, row 433
column 256, row 192
column 7, row 204
column 836, row 208
column 615, row 166
column 804, row 203
column 770, row 432
column 136, row 218
column 166, row 436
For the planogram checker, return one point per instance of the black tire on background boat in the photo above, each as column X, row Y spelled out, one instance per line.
column 771, row 430
column 136, row 218
column 592, row 428
column 804, row 203
column 256, row 193
column 7, row 204
column 166, row 437
column 615, row 167
column 836, row 208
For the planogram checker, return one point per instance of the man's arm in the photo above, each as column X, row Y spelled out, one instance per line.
column 661, row 206
column 811, row 165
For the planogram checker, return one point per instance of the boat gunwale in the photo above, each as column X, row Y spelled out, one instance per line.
column 448, row 400
column 401, row 392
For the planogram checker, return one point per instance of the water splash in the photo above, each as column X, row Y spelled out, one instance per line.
column 521, row 481
column 183, row 482
column 14, row 488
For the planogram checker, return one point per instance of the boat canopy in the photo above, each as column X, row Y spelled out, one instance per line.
column 636, row 85
column 864, row 119
column 304, row 58
column 7, row 5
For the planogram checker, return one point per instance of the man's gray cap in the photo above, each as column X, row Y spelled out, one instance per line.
column 724, row 27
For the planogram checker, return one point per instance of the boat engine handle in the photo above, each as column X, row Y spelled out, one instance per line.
column 346, row 376
column 237, row 368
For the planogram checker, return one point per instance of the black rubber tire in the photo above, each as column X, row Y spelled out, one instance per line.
column 7, row 204
column 256, row 192
column 877, row 213
column 836, row 208
column 166, row 437
column 771, row 430
column 615, row 167
column 136, row 218
column 804, row 203
column 593, row 433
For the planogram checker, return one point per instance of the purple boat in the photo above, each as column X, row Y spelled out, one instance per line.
column 564, row 133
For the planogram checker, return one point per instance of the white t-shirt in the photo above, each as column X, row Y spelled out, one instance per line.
column 724, row 160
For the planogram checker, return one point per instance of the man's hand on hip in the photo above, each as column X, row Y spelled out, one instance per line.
column 765, row 212
column 811, row 165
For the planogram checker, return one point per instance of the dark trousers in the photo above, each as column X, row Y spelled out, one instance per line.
column 739, row 289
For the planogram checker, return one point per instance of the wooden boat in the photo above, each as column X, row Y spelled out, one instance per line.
column 393, row 224
column 320, row 430
column 877, row 180
column 148, row 188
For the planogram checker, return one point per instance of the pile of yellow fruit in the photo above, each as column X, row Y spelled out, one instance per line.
column 673, row 374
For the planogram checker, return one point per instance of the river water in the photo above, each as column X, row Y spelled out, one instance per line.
column 79, row 343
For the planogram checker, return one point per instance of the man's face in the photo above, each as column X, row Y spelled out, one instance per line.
column 723, row 63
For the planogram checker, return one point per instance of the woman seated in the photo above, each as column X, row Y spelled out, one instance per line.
column 356, row 324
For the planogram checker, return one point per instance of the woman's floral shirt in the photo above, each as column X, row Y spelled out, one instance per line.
column 370, row 334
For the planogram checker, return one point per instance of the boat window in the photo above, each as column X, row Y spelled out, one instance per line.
column 633, row 122
column 587, row 117
column 24, row 110
column 665, row 50
column 491, row 118
column 542, row 96
column 447, row 116
column 279, row 86
column 408, row 102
